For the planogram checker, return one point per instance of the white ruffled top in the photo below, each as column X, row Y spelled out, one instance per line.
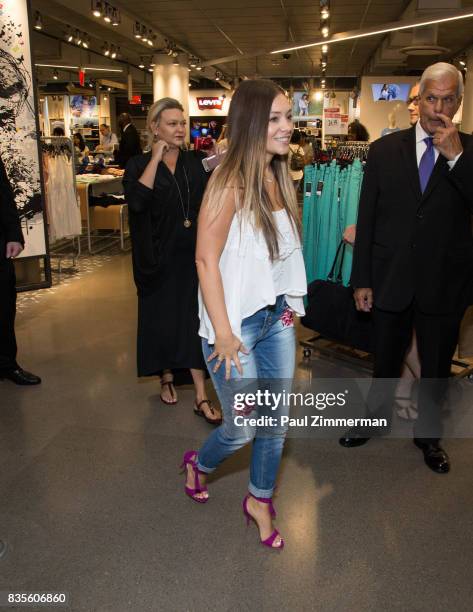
column 250, row 280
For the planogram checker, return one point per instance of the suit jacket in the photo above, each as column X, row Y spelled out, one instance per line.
column 129, row 145
column 411, row 245
column 10, row 227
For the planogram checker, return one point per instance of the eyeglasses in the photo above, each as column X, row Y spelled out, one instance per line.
column 413, row 100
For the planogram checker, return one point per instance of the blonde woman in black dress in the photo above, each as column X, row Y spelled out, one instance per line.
column 164, row 190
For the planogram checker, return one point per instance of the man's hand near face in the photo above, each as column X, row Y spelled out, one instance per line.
column 446, row 139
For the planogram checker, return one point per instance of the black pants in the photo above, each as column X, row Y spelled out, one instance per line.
column 437, row 337
column 7, row 315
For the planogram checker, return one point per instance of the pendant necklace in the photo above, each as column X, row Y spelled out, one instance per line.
column 187, row 221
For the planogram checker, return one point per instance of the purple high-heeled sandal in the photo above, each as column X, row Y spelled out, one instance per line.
column 189, row 459
column 269, row 541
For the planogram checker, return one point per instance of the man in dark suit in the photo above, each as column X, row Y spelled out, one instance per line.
column 11, row 245
column 130, row 141
column 413, row 257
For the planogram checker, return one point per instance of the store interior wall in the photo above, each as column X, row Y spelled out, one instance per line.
column 374, row 113
column 467, row 117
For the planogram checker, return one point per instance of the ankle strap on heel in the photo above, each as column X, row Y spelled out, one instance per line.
column 266, row 500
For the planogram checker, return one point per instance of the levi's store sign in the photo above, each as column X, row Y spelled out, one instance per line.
column 209, row 103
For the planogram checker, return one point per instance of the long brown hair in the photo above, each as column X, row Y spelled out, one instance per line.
column 244, row 163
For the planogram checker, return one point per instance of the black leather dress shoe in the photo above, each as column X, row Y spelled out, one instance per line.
column 434, row 456
column 353, row 438
column 21, row 377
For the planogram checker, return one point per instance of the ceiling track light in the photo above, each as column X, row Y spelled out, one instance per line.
column 394, row 26
column 325, row 31
column 324, row 48
column 141, row 32
column 106, row 50
column 55, row 75
column 116, row 17
column 38, row 22
column 142, row 63
column 78, row 37
column 97, row 8
column 324, row 9
column 86, row 41
column 108, row 13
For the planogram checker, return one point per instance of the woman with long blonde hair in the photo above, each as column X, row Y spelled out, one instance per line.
column 252, row 281
column 164, row 190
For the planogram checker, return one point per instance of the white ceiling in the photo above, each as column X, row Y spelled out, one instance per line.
column 213, row 29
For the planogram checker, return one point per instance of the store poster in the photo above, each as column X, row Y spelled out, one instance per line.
column 18, row 126
column 336, row 123
column 305, row 107
column 84, row 111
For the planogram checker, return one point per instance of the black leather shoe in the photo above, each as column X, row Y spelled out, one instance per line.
column 21, row 377
column 434, row 456
column 353, row 438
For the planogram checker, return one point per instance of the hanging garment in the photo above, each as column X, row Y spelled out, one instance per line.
column 331, row 197
column 64, row 219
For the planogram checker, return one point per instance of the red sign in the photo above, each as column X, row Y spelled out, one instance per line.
column 136, row 99
column 209, row 103
column 81, row 77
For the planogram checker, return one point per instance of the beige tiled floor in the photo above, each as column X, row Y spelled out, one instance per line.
column 91, row 501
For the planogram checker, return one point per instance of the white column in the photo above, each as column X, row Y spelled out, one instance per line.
column 170, row 81
column 467, row 116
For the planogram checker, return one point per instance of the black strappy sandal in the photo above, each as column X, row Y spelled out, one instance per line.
column 199, row 412
column 171, row 392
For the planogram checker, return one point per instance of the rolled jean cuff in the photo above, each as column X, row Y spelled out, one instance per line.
column 204, row 469
column 264, row 493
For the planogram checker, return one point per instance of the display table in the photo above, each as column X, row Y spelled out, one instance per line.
column 113, row 217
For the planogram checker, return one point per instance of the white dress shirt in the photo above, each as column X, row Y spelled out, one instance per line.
column 421, row 146
column 108, row 140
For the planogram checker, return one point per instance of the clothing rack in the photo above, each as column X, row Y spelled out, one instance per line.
column 350, row 150
column 63, row 145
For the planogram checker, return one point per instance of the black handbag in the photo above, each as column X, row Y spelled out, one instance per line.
column 332, row 313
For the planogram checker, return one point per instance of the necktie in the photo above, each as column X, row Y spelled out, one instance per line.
column 427, row 163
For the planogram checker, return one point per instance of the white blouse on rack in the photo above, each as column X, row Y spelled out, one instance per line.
column 250, row 280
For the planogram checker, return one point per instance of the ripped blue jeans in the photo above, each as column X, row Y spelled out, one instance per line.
column 269, row 337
